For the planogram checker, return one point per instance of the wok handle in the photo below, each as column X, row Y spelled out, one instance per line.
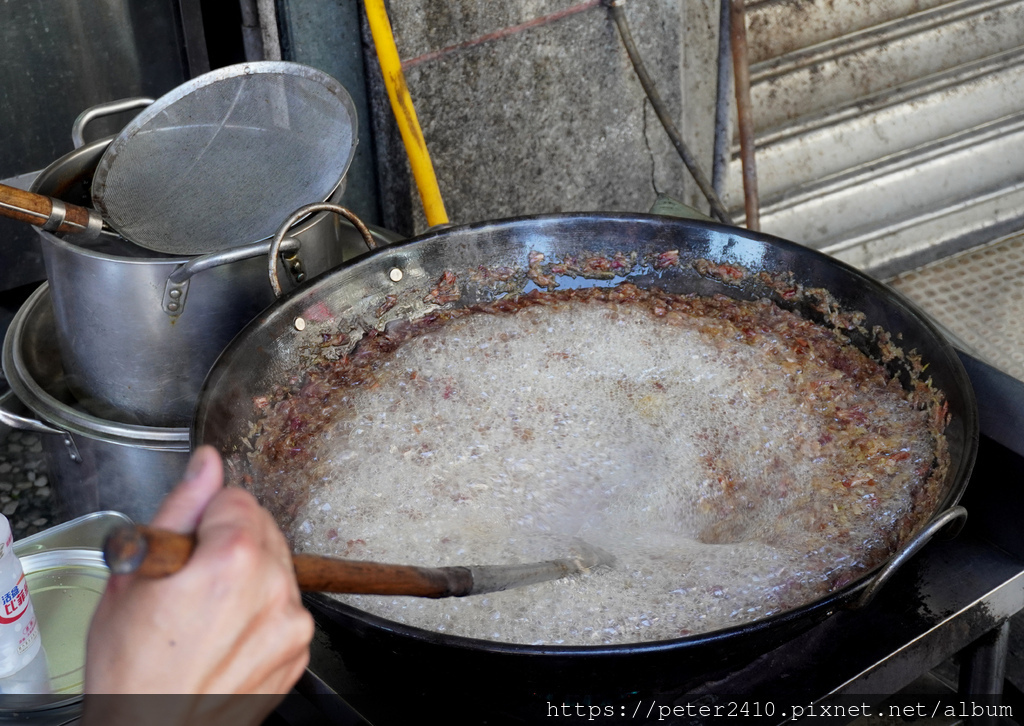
column 275, row 245
column 151, row 552
column 918, row 541
column 52, row 215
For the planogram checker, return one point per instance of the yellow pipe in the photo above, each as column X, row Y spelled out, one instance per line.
column 405, row 114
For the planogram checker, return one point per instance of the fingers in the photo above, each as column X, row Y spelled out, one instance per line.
column 239, row 539
column 235, row 525
column 230, row 621
column 183, row 507
column 272, row 655
column 248, row 560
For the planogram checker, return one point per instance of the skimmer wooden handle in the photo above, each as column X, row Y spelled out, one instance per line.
column 153, row 552
column 52, row 215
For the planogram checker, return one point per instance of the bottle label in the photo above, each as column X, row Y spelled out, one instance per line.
column 14, row 602
column 28, row 636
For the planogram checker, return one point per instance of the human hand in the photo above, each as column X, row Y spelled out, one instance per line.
column 230, row 622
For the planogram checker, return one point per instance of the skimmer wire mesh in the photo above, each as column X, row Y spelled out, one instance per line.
column 224, row 159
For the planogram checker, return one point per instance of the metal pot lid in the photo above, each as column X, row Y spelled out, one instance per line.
column 31, row 363
column 219, row 161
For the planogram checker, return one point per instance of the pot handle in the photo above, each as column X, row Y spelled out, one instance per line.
column 953, row 514
column 21, row 423
column 176, row 287
column 101, row 110
column 275, row 245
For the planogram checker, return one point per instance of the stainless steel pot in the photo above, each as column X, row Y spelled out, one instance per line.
column 138, row 330
column 94, row 464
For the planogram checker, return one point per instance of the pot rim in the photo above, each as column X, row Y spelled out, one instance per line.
column 89, row 156
column 163, row 260
column 41, row 402
column 822, row 608
column 386, row 255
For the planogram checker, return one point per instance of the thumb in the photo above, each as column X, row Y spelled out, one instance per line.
column 183, row 507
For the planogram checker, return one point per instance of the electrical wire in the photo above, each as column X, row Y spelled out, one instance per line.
column 619, row 16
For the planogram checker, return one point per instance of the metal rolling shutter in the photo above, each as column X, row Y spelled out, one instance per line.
column 889, row 133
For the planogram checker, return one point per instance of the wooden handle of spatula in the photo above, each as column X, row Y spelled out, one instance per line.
column 150, row 552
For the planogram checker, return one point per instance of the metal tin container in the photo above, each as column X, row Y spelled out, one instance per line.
column 66, row 586
column 66, row 576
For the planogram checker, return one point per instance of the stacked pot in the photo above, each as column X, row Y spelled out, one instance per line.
column 108, row 357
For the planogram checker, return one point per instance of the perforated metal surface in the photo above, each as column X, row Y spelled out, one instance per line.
column 979, row 296
column 224, row 159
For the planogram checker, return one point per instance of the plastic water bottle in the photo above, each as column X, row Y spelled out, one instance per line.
column 19, row 632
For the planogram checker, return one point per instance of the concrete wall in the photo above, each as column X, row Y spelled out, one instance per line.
column 531, row 107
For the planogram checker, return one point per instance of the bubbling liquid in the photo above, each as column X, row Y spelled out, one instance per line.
column 733, row 472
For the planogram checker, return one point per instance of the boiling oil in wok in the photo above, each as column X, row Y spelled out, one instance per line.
column 736, row 459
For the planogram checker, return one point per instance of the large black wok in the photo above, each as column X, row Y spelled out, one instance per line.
column 276, row 345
